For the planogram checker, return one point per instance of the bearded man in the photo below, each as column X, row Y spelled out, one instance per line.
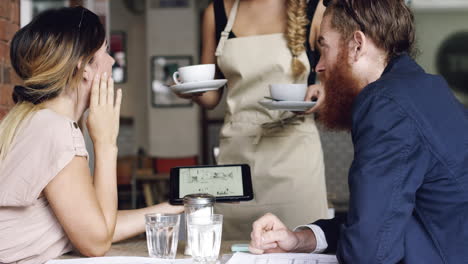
column 409, row 177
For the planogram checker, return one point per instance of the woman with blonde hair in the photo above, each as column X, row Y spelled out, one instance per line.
column 49, row 202
column 254, row 44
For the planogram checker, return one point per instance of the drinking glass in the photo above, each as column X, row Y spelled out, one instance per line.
column 162, row 235
column 204, row 237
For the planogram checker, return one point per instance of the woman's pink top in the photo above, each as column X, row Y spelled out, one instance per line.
column 43, row 146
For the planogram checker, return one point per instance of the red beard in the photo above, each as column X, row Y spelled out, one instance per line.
column 341, row 88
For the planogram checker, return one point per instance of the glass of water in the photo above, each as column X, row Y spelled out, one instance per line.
column 162, row 235
column 204, row 237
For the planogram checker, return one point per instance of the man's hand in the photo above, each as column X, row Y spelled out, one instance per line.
column 270, row 235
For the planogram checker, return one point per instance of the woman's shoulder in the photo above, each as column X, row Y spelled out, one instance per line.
column 50, row 117
column 46, row 121
column 45, row 143
column 48, row 126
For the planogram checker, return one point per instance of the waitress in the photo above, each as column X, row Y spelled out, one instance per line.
column 261, row 43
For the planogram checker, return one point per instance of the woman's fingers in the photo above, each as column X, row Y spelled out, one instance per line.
column 103, row 89
column 118, row 101
column 314, row 92
column 95, row 91
column 102, row 92
column 110, row 91
column 320, row 100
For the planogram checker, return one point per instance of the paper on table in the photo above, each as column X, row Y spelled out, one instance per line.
column 282, row 258
column 120, row 260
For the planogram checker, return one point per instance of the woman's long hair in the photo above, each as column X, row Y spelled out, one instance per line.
column 45, row 54
column 296, row 34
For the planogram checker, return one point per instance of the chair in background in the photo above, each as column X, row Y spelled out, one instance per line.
column 155, row 179
column 124, row 181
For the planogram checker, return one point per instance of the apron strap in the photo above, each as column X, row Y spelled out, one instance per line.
column 227, row 29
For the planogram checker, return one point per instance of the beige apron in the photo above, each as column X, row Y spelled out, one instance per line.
column 285, row 156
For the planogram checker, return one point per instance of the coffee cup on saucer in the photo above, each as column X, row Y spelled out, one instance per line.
column 288, row 92
column 194, row 73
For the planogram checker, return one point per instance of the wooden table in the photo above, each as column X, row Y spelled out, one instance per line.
column 136, row 247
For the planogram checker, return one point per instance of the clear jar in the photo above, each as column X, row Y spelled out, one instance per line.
column 200, row 204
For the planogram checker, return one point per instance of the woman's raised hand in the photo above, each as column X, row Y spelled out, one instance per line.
column 104, row 111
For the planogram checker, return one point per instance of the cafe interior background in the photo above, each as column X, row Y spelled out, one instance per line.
column 150, row 39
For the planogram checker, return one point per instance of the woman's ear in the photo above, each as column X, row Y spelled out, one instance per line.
column 87, row 74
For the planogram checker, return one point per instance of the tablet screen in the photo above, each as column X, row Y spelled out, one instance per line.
column 217, row 181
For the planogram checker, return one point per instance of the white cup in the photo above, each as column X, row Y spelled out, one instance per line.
column 194, row 73
column 288, row 91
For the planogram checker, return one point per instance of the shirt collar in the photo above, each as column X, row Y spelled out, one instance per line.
column 401, row 63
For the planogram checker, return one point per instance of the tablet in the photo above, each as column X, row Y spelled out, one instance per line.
column 228, row 183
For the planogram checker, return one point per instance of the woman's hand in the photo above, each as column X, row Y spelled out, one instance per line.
column 132, row 222
column 104, row 111
column 315, row 92
column 167, row 208
column 190, row 96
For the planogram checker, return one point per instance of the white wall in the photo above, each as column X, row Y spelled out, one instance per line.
column 134, row 89
column 432, row 28
column 173, row 132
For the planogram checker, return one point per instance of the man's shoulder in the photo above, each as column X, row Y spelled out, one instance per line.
column 407, row 90
column 411, row 84
column 404, row 76
column 397, row 93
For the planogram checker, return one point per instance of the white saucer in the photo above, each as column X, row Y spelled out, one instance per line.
column 287, row 105
column 196, row 87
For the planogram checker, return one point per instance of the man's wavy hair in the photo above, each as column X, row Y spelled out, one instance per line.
column 389, row 23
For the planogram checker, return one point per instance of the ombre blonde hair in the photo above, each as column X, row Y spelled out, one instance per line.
column 46, row 54
column 296, row 34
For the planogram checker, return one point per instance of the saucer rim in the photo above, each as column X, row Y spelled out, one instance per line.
column 197, row 90
column 283, row 102
column 279, row 105
column 176, row 86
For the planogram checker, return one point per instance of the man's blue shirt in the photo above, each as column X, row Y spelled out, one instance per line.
column 409, row 177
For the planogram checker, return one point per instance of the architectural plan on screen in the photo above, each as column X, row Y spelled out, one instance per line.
column 217, row 181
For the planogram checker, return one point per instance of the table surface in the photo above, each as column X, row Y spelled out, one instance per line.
column 136, row 247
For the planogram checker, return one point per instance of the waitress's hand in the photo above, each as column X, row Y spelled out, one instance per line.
column 104, row 111
column 190, row 96
column 315, row 92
